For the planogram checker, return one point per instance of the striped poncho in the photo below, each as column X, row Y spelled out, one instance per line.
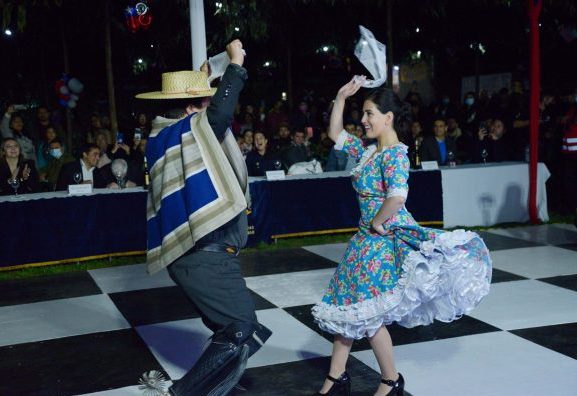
column 197, row 185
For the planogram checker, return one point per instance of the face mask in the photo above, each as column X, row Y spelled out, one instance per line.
column 56, row 153
column 469, row 101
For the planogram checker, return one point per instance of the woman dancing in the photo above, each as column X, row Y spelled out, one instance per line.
column 393, row 269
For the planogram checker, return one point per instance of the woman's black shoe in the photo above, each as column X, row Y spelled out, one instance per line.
column 398, row 386
column 341, row 386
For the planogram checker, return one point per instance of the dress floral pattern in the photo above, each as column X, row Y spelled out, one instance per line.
column 414, row 275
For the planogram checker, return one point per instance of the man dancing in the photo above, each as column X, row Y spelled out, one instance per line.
column 196, row 219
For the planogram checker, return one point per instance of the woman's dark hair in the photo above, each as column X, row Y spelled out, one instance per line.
column 387, row 100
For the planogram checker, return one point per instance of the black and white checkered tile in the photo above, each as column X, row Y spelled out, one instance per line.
column 96, row 332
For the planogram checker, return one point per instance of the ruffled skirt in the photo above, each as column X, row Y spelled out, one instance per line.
column 440, row 278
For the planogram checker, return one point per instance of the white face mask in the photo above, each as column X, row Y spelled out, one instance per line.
column 56, row 152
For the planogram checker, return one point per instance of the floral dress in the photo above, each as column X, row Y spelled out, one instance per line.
column 412, row 276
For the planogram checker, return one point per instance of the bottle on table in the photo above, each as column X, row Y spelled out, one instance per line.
column 146, row 175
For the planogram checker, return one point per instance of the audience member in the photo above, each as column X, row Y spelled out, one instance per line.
column 12, row 126
column 492, row 143
column 96, row 127
column 438, row 147
column 42, row 154
column 248, row 141
column 83, row 170
column 282, row 139
column 13, row 166
column 275, row 117
column 58, row 157
column 260, row 159
column 297, row 151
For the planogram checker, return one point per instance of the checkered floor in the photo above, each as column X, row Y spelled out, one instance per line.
column 95, row 332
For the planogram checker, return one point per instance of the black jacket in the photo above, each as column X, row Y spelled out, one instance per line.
column 430, row 149
column 26, row 186
column 66, row 176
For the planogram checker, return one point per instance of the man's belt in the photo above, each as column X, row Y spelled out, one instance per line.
column 217, row 247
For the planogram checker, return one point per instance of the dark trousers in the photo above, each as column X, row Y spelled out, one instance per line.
column 212, row 281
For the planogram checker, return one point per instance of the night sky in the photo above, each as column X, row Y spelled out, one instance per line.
column 32, row 60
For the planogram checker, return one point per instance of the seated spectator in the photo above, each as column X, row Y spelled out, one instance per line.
column 462, row 141
column 248, row 141
column 58, row 157
column 282, row 139
column 13, row 166
column 492, row 137
column 297, row 151
column 275, row 117
column 83, row 170
column 96, row 127
column 42, row 123
column 438, row 147
column 142, row 125
column 118, row 174
column 12, row 126
column 42, row 154
column 105, row 156
column 260, row 159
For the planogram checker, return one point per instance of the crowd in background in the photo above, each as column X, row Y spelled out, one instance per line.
column 480, row 128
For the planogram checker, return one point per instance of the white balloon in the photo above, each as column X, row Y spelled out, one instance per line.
column 75, row 85
column 71, row 104
column 74, row 97
column 64, row 90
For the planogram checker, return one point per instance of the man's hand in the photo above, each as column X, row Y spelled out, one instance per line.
column 235, row 53
column 205, row 68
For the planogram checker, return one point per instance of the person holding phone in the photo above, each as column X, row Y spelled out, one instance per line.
column 492, row 143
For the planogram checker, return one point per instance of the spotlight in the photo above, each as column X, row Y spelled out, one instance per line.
column 8, row 32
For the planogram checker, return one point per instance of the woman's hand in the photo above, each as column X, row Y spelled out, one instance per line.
column 26, row 172
column 206, row 68
column 351, row 88
column 378, row 228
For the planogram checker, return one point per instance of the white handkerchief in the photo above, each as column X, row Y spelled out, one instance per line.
column 373, row 55
column 218, row 65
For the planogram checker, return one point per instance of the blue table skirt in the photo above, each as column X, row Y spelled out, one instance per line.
column 310, row 205
column 43, row 231
column 58, row 229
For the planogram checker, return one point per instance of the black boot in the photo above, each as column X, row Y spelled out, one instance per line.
column 222, row 364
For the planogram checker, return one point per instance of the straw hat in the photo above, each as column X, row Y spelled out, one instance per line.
column 184, row 84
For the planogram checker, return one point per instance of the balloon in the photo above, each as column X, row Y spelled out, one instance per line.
column 74, row 97
column 64, row 90
column 63, row 102
column 71, row 103
column 75, row 85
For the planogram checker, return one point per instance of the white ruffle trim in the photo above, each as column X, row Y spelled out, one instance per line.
column 446, row 279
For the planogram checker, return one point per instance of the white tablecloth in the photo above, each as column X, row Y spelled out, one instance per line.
column 484, row 195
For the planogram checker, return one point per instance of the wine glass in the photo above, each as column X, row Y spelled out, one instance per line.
column 484, row 155
column 15, row 184
column 77, row 177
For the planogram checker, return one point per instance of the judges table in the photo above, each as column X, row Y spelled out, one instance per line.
column 39, row 229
